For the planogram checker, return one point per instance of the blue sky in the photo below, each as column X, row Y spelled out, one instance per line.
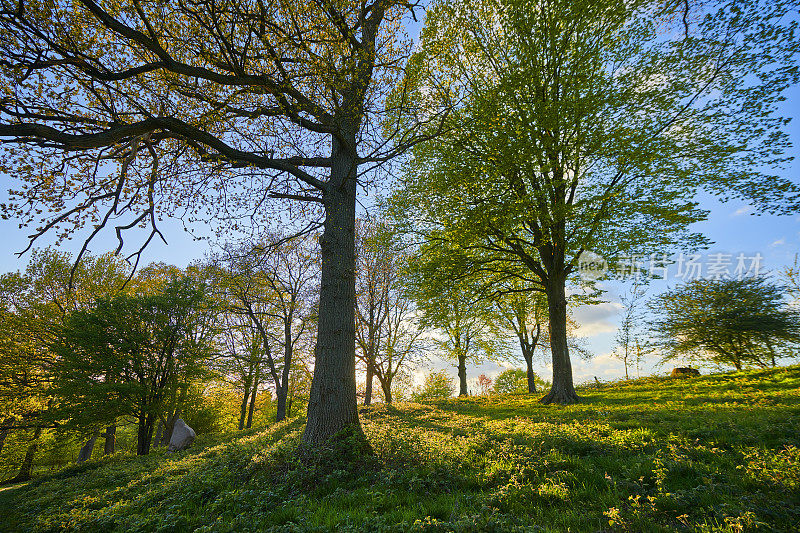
column 731, row 226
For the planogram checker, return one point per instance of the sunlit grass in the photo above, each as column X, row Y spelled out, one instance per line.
column 715, row 453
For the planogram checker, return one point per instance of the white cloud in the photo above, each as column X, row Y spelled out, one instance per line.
column 596, row 319
column 744, row 210
column 779, row 242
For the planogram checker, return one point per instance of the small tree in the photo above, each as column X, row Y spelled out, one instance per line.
column 727, row 322
column 127, row 355
column 632, row 346
column 516, row 381
column 437, row 385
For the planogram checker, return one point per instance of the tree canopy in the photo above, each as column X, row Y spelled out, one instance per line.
column 734, row 322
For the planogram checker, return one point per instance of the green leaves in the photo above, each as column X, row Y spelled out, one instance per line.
column 728, row 322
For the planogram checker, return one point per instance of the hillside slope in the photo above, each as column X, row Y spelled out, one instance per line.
column 715, row 453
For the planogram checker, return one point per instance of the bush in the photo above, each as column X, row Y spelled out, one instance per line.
column 437, row 385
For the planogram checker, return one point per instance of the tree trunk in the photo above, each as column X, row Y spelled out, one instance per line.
column 562, row 390
column 243, row 407
column 4, row 432
column 386, row 385
column 111, row 440
column 157, row 441
column 462, row 376
column 332, row 406
column 144, row 434
column 530, row 372
column 368, row 388
column 86, row 450
column 283, row 390
column 253, row 396
column 27, row 463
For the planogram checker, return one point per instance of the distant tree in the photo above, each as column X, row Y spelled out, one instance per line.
column 484, row 384
column 388, row 339
column 727, row 322
column 436, row 385
column 127, row 354
column 516, row 380
column 456, row 309
column 274, row 285
column 34, row 304
column 633, row 344
column 791, row 278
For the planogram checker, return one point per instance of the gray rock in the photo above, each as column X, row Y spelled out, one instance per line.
column 182, row 436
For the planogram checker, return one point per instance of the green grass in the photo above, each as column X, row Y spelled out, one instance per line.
column 715, row 453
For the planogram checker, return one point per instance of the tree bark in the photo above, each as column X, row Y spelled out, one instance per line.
column 27, row 463
column 144, row 434
column 157, row 441
column 110, row 445
column 462, row 375
column 386, row 386
column 86, row 450
column 332, row 406
column 530, row 373
column 562, row 390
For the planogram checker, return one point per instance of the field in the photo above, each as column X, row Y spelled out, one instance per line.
column 714, row 453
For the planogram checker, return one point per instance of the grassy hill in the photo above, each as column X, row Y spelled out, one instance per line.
column 714, row 453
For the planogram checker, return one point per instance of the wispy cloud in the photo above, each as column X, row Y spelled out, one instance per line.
column 779, row 242
column 596, row 319
column 744, row 210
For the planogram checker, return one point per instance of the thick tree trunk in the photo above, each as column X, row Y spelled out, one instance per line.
column 86, row 450
column 530, row 373
column 462, row 376
column 386, row 386
column 27, row 463
column 109, row 447
column 563, row 390
column 332, row 406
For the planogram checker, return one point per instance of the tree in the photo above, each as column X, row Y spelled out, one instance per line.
column 735, row 322
column 273, row 284
column 454, row 308
column 387, row 337
column 632, row 346
column 127, row 354
column 124, row 112
column 590, row 125
column 437, row 385
column 515, row 381
column 34, row 304
column 526, row 315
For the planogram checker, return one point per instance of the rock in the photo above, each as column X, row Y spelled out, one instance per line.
column 182, row 436
column 684, row 372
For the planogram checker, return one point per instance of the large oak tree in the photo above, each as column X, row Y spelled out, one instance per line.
column 118, row 113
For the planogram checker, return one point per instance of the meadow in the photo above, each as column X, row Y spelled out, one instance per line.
column 713, row 453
